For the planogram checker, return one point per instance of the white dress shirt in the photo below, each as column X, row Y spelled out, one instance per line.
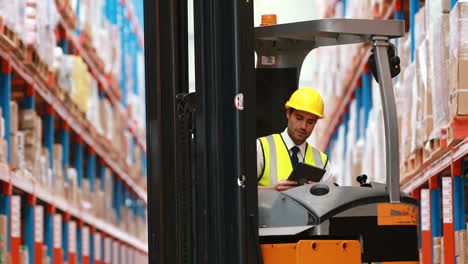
column 289, row 144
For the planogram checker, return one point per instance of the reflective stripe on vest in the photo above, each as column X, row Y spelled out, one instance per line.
column 277, row 160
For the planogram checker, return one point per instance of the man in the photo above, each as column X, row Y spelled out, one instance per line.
column 277, row 154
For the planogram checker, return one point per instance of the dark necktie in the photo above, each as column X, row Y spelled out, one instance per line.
column 294, row 157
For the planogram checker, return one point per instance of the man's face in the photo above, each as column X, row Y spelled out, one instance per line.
column 300, row 125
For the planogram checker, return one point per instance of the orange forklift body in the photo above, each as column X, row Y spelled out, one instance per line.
column 313, row 251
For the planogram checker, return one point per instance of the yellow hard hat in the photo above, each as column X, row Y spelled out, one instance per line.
column 308, row 100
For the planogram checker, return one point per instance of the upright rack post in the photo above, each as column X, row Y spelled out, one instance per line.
column 30, row 226
column 358, row 96
column 78, row 160
column 5, row 98
column 79, row 241
column 366, row 95
column 29, row 100
column 414, row 8
column 63, row 42
column 65, row 141
column 49, row 230
column 91, row 169
column 102, row 174
column 436, row 208
column 48, row 127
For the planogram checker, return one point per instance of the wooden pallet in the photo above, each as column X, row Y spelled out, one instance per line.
column 432, row 150
column 32, row 60
column 58, row 92
column 457, row 130
column 67, row 13
column 413, row 164
column 8, row 36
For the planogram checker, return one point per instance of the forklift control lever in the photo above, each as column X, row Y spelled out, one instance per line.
column 362, row 180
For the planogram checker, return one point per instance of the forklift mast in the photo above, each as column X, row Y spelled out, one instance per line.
column 202, row 184
column 200, row 210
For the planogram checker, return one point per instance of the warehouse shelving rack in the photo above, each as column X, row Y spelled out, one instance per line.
column 354, row 79
column 106, row 242
column 436, row 176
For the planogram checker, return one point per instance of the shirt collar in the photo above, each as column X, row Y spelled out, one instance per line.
column 290, row 143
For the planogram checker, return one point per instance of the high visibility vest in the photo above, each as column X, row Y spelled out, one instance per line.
column 277, row 161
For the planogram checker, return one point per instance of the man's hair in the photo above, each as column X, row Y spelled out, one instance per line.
column 291, row 110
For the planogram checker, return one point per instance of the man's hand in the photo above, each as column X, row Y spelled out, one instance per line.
column 283, row 185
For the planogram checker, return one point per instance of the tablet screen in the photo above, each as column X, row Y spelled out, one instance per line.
column 303, row 173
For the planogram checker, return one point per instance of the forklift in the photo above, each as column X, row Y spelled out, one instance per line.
column 203, row 199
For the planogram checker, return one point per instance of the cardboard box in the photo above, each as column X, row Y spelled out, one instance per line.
column 18, row 151
column 420, row 26
column 14, row 122
column 27, row 119
column 458, row 68
column 446, row 6
column 3, row 151
column 439, row 71
column 58, row 154
column 43, row 173
column 437, row 249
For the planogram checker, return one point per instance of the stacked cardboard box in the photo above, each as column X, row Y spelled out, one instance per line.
column 437, row 29
column 438, row 249
column 106, row 117
column 461, row 246
column 31, row 125
column 58, row 171
column 3, row 236
column 72, row 190
column 458, row 59
column 110, row 214
column 18, row 162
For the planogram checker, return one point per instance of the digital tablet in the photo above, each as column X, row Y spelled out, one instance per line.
column 303, row 173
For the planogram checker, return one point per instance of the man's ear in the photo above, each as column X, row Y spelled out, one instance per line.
column 288, row 113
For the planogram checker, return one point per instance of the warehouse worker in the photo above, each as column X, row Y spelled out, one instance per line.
column 277, row 154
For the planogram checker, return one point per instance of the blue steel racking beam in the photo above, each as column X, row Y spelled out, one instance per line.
column 49, row 230
column 5, row 98
column 65, row 234
column 414, row 8
column 91, row 245
column 118, row 198
column 79, row 241
column 459, row 195
column 78, row 160
column 29, row 225
column 91, row 169
column 358, row 96
column 29, row 100
column 102, row 174
column 366, row 95
column 48, row 127
column 436, row 207
column 65, row 141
